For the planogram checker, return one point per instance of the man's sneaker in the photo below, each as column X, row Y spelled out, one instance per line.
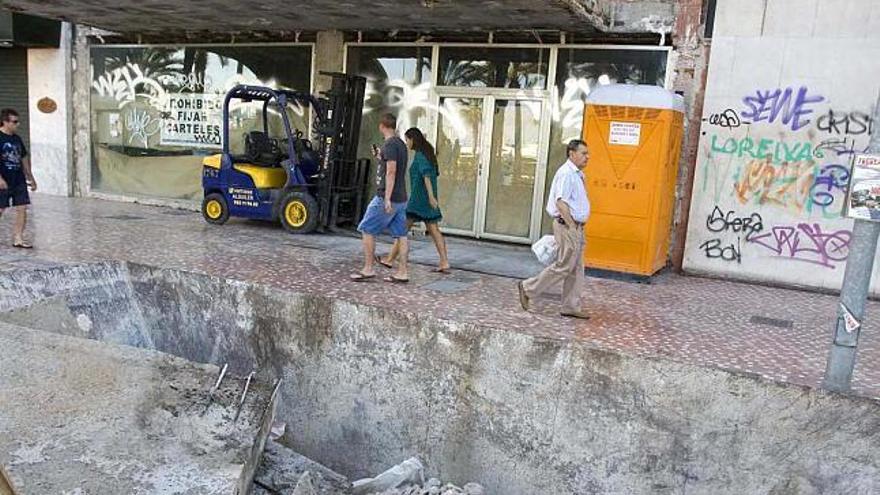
column 575, row 314
column 523, row 298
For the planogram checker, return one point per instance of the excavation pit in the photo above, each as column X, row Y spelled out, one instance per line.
column 365, row 387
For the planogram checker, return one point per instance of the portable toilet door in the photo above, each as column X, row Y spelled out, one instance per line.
column 634, row 134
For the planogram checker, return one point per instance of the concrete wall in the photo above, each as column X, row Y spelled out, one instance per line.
column 49, row 76
column 795, row 81
column 365, row 388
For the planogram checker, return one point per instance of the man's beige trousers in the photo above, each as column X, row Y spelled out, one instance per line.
column 568, row 268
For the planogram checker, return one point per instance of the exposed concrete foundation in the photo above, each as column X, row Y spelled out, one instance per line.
column 85, row 417
column 365, row 387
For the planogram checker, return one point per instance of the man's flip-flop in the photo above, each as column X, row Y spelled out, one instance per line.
column 22, row 245
column 360, row 277
column 379, row 260
column 444, row 271
column 395, row 280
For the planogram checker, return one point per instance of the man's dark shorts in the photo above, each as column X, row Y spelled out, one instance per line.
column 15, row 196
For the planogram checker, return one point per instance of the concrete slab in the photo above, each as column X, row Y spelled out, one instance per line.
column 282, row 469
column 86, row 417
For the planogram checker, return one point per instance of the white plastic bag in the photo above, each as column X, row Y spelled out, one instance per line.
column 545, row 249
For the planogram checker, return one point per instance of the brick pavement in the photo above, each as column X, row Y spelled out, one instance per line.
column 694, row 320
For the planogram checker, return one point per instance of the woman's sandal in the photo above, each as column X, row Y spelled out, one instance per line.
column 383, row 263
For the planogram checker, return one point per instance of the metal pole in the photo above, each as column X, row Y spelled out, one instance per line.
column 854, row 292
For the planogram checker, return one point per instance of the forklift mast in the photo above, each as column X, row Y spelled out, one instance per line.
column 342, row 185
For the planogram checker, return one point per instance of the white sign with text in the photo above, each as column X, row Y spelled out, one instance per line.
column 193, row 120
column 626, row 133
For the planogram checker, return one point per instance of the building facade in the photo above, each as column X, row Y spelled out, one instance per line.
column 789, row 101
column 499, row 93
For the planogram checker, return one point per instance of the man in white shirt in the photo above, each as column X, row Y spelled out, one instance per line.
column 570, row 209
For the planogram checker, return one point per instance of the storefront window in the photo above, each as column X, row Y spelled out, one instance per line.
column 580, row 70
column 399, row 81
column 157, row 111
column 513, row 68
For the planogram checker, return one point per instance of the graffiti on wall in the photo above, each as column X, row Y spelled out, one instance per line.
column 783, row 105
column 806, row 242
column 777, row 170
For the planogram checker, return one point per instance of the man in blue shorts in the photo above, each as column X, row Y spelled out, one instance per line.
column 15, row 175
column 387, row 211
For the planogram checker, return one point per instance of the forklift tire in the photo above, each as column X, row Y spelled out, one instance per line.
column 215, row 209
column 299, row 212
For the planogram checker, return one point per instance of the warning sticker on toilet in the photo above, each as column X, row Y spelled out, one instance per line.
column 626, row 133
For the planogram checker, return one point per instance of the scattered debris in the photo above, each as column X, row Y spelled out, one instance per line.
column 283, row 472
column 407, row 478
column 408, row 472
column 304, row 486
column 277, row 430
column 6, row 487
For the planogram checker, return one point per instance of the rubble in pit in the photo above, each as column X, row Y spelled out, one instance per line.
column 408, row 478
column 285, row 472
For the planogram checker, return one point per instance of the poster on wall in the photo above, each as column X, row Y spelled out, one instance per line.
column 626, row 133
column 193, row 120
column 864, row 189
column 113, row 124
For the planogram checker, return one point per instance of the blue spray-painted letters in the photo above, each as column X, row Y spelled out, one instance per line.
column 770, row 105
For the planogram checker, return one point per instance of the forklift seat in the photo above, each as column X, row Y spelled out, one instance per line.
column 260, row 150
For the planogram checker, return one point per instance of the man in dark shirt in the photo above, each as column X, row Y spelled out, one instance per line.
column 15, row 175
column 387, row 211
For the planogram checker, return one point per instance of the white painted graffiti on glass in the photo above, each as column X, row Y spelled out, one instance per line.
column 864, row 192
column 567, row 109
column 625, row 133
column 128, row 82
column 141, row 126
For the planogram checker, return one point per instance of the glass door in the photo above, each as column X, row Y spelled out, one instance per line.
column 512, row 165
column 489, row 150
column 460, row 156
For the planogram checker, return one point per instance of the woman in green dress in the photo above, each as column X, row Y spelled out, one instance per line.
column 423, row 205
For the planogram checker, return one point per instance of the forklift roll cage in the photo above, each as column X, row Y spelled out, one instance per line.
column 340, row 182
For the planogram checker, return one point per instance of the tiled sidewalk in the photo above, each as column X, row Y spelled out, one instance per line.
column 777, row 333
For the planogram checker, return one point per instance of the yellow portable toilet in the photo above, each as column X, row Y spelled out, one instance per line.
column 634, row 133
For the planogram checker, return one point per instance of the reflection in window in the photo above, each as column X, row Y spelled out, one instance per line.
column 459, row 146
column 156, row 111
column 580, row 70
column 516, row 134
column 494, row 67
column 398, row 82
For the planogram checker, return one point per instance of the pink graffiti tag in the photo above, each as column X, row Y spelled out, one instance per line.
column 807, row 243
